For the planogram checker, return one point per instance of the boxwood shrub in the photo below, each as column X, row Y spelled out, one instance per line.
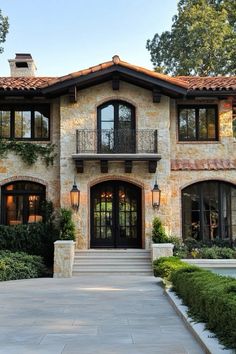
column 163, row 267
column 38, row 238
column 20, row 265
column 211, row 298
column 35, row 239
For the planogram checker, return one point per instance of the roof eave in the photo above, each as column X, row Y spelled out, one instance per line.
column 210, row 93
column 24, row 93
column 126, row 74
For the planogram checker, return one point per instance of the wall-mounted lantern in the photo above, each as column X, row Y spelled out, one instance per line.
column 156, row 196
column 75, row 197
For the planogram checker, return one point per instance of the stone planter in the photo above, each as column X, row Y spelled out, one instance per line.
column 162, row 250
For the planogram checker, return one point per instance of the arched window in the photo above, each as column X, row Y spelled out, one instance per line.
column 116, row 127
column 209, row 211
column 21, row 202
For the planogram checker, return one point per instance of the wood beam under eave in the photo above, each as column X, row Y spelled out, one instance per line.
column 152, row 166
column 73, row 94
column 156, row 96
column 128, row 166
column 79, row 166
column 104, row 166
column 115, row 82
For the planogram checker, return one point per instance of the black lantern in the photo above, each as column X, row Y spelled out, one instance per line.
column 75, row 197
column 156, row 196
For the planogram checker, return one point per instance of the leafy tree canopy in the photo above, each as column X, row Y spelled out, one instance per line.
column 202, row 40
column 4, row 26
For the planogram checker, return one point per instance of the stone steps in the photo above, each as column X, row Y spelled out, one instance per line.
column 121, row 261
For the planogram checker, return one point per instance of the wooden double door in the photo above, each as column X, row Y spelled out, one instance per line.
column 116, row 215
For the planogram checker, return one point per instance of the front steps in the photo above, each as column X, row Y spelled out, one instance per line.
column 112, row 261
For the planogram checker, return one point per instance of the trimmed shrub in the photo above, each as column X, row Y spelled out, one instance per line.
column 216, row 252
column 158, row 232
column 211, row 298
column 20, row 265
column 38, row 238
column 164, row 266
column 66, row 225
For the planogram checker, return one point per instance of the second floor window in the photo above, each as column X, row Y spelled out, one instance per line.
column 24, row 122
column 116, row 128
column 197, row 123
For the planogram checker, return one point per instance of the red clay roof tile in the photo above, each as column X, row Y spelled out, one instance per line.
column 209, row 164
column 23, row 83
column 209, row 83
column 187, row 82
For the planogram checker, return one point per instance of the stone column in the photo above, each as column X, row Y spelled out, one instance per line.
column 63, row 259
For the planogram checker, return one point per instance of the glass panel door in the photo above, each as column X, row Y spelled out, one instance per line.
column 115, row 215
column 102, row 215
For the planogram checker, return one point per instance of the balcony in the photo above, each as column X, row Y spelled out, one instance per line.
column 126, row 145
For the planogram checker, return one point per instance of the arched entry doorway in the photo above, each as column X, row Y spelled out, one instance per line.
column 116, row 215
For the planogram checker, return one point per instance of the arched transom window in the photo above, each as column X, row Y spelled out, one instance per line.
column 209, row 211
column 21, row 202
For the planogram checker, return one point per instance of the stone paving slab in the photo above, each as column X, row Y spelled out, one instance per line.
column 88, row 315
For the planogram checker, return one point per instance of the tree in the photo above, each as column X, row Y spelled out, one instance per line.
column 202, row 40
column 4, row 26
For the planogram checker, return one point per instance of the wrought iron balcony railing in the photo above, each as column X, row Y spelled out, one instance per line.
column 116, row 141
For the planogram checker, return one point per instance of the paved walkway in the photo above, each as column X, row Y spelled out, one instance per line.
column 90, row 315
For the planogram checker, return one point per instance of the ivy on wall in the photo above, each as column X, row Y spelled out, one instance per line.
column 29, row 152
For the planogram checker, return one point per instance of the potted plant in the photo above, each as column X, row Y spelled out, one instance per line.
column 161, row 243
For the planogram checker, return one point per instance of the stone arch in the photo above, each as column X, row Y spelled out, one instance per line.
column 207, row 179
column 116, row 98
column 117, row 177
column 25, row 178
column 124, row 179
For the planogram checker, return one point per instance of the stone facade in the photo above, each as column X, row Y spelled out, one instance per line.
column 13, row 169
column 66, row 117
column 82, row 115
column 223, row 149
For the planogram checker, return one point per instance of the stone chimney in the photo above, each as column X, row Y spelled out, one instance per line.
column 22, row 65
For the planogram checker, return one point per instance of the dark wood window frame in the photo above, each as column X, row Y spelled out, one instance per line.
column 28, row 108
column 221, row 192
column 197, row 108
column 116, row 104
column 41, row 192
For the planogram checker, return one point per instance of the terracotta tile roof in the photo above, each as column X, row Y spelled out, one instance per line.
column 209, row 83
column 117, row 61
column 208, row 164
column 186, row 82
column 23, row 83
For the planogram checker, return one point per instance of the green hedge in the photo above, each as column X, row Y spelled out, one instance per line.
column 36, row 239
column 211, row 298
column 20, row 265
column 163, row 267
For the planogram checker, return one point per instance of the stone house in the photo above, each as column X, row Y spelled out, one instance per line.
column 119, row 129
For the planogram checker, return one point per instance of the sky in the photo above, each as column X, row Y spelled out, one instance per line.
column 64, row 36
